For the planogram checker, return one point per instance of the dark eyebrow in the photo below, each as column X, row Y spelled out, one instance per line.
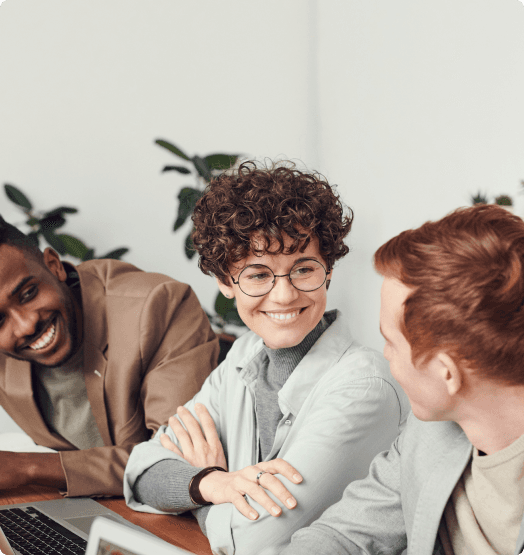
column 20, row 285
column 297, row 261
column 305, row 259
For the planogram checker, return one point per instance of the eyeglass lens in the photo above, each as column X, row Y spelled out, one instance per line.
column 257, row 280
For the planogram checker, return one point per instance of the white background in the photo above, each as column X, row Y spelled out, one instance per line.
column 408, row 106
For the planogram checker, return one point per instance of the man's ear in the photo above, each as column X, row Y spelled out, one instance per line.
column 450, row 373
column 226, row 290
column 54, row 264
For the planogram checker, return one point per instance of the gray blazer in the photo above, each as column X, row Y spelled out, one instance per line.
column 398, row 508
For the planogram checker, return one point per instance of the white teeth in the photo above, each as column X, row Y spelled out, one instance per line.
column 44, row 339
column 282, row 315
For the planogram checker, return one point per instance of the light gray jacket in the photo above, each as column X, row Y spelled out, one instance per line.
column 401, row 502
column 340, row 408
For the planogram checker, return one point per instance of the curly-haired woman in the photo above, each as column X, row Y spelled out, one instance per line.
column 299, row 408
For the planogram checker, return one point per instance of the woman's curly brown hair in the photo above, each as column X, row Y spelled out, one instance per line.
column 267, row 202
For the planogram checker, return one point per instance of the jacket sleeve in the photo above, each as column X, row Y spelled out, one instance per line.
column 149, row 453
column 366, row 521
column 332, row 443
column 178, row 350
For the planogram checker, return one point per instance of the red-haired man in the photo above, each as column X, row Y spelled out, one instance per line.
column 452, row 314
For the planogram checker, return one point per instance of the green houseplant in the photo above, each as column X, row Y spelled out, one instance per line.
column 44, row 225
column 504, row 200
column 203, row 169
column 479, row 198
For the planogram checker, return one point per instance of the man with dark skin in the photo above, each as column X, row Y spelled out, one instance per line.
column 93, row 359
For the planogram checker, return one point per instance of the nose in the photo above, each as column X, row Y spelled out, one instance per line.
column 283, row 292
column 23, row 322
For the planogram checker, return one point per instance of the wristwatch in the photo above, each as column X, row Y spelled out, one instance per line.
column 194, row 485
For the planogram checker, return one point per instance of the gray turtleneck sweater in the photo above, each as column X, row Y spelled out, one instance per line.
column 165, row 485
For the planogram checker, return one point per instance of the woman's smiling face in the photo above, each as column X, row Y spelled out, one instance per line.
column 284, row 316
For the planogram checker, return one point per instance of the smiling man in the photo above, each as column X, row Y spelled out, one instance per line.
column 87, row 354
column 299, row 408
column 452, row 314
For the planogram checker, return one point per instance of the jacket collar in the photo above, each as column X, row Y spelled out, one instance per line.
column 326, row 351
column 452, row 453
column 93, row 318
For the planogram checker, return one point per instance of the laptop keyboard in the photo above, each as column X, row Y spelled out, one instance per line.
column 33, row 533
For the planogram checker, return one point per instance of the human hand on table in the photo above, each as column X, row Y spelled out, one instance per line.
column 201, row 447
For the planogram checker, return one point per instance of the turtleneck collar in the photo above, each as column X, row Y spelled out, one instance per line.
column 284, row 361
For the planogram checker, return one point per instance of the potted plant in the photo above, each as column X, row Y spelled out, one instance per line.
column 203, row 170
column 44, row 225
column 505, row 201
column 479, row 198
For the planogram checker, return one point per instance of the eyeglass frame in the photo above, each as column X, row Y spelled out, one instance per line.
column 275, row 276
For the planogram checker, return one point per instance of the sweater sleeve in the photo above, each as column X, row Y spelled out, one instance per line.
column 165, row 486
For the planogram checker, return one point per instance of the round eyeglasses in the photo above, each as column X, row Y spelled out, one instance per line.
column 257, row 280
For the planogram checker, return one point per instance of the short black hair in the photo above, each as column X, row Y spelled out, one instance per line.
column 12, row 236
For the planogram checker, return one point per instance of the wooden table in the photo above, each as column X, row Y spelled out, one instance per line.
column 182, row 531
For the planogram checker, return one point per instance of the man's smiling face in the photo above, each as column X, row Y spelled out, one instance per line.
column 38, row 314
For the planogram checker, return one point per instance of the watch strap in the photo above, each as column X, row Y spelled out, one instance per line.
column 194, row 485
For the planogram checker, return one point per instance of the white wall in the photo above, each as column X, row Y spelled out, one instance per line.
column 422, row 106
column 88, row 85
column 410, row 106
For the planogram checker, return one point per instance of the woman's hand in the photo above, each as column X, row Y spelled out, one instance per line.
column 231, row 487
column 201, row 446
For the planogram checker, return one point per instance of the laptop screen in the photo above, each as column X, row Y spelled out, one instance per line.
column 112, row 538
column 106, row 548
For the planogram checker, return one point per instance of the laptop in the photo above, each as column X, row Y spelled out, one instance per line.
column 58, row 525
column 110, row 538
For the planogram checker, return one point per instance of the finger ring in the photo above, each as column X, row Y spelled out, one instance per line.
column 259, row 475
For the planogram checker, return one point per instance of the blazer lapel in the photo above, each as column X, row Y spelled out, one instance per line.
column 451, row 458
column 19, row 390
column 95, row 364
column 95, row 345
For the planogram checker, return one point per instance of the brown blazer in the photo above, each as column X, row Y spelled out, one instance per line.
column 148, row 348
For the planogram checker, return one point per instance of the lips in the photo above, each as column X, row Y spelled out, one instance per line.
column 44, row 340
column 41, row 340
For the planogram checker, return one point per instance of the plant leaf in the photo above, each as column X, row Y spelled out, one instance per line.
column 33, row 237
column 223, row 305
column 189, row 247
column 52, row 222
column 202, row 168
column 187, row 198
column 172, row 148
column 179, row 169
column 89, row 255
column 54, row 240
column 221, row 161
column 74, row 246
column 232, row 317
column 116, row 254
column 61, row 210
column 15, row 195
